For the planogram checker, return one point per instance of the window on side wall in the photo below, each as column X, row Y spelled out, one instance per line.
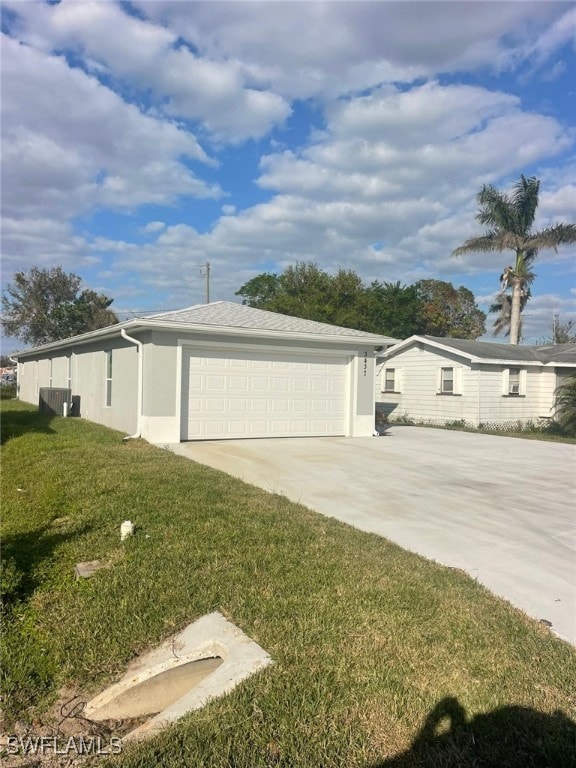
column 108, row 378
column 514, row 382
column 447, row 381
column 389, row 380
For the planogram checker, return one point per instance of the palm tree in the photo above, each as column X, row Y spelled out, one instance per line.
column 509, row 219
column 502, row 307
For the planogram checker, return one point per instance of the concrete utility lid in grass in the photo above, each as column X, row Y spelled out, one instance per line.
column 207, row 659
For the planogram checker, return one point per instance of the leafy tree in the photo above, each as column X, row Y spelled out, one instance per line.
column 260, row 291
column 304, row 290
column 560, row 333
column 449, row 311
column 394, row 309
column 566, row 405
column 45, row 305
column 563, row 333
column 391, row 309
column 509, row 219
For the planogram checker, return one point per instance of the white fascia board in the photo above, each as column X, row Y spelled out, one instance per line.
column 460, row 353
column 84, row 338
column 427, row 343
column 372, row 340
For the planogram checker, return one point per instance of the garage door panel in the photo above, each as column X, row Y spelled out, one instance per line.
column 241, row 394
column 259, row 384
column 238, row 383
column 215, row 383
column 215, row 405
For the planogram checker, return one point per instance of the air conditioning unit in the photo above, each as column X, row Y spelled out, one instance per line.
column 51, row 400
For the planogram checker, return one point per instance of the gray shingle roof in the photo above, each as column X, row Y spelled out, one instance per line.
column 231, row 315
column 487, row 350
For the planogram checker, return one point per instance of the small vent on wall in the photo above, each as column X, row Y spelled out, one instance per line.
column 52, row 399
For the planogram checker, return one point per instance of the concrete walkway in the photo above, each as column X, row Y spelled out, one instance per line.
column 502, row 509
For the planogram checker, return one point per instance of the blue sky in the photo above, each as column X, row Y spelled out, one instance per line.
column 143, row 139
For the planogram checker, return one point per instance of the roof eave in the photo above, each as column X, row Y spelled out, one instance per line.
column 373, row 340
column 421, row 340
column 83, row 338
column 228, row 330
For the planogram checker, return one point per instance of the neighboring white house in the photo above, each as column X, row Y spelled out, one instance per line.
column 438, row 380
column 214, row 371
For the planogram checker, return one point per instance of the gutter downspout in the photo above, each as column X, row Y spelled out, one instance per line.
column 14, row 360
column 140, row 346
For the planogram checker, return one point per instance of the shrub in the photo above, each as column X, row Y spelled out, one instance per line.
column 565, row 406
column 8, row 392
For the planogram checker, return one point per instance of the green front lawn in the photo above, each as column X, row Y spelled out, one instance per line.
column 367, row 639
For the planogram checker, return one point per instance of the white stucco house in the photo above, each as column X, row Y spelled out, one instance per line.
column 214, row 371
column 438, row 380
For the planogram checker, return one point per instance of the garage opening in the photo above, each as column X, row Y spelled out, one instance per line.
column 230, row 395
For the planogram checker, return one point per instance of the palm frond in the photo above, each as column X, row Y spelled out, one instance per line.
column 492, row 241
column 496, row 210
column 502, row 306
column 525, row 203
column 552, row 237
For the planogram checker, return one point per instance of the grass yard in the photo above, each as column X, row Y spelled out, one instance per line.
column 382, row 659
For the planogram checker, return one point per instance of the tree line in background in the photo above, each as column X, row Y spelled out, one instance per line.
column 431, row 307
column 45, row 305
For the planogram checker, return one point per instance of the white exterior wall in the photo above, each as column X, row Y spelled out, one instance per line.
column 162, row 379
column 482, row 399
column 499, row 409
column 548, row 384
column 163, row 360
column 88, row 380
column 535, row 403
column 418, row 398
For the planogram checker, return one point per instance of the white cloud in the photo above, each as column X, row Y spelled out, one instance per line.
column 43, row 242
column 214, row 92
column 388, row 164
column 331, row 48
column 61, row 158
column 153, row 226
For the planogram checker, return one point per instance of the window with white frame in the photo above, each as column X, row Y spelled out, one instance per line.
column 389, row 380
column 108, row 378
column 447, row 381
column 69, row 372
column 50, row 372
column 514, row 382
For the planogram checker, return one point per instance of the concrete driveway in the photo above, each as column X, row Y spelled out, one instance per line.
column 502, row 509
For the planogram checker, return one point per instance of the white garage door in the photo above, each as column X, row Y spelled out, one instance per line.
column 245, row 394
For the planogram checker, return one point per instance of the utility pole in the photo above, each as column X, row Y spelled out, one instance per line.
column 207, row 268
column 555, row 323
